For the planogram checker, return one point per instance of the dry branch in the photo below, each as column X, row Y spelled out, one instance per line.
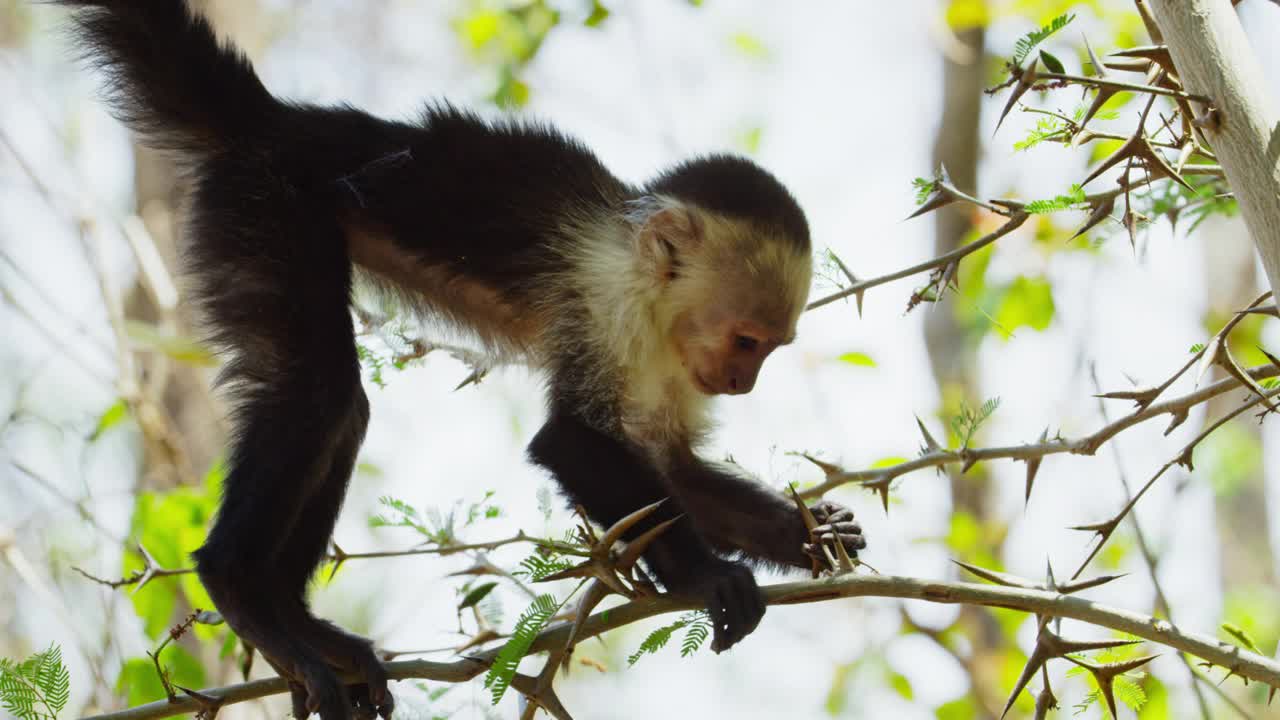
column 1237, row 660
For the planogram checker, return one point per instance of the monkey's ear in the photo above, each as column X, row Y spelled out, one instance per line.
column 667, row 234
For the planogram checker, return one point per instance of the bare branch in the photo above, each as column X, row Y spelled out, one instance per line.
column 1241, row 662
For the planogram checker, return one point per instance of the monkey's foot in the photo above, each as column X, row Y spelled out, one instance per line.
column 733, row 600
column 318, row 688
column 835, row 522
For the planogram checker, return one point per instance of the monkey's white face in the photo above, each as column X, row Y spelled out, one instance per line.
column 729, row 291
column 724, row 343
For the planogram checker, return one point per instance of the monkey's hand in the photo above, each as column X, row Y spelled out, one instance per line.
column 835, row 522
column 732, row 597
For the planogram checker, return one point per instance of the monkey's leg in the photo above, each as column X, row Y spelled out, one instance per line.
column 274, row 279
column 304, row 548
column 737, row 513
column 610, row 480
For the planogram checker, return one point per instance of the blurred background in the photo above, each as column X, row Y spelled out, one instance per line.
column 110, row 437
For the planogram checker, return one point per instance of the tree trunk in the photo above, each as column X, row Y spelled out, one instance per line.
column 1214, row 58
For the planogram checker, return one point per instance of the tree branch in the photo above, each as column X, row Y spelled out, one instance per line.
column 1087, row 445
column 1237, row 660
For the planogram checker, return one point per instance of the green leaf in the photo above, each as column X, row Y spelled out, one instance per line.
column 968, row 14
column 36, row 688
column 697, row 627
column 182, row 349
column 1241, row 636
column 1027, row 302
column 530, row 623
column 961, row 709
column 924, row 188
column 749, row 139
column 750, row 46
column 1073, row 200
column 1129, row 692
column 113, row 416
column 476, row 595
column 838, row 693
column 541, row 565
column 857, row 358
column 696, row 636
column 1051, row 63
column 901, row 685
column 599, row 13
column 1028, row 42
column 885, row 462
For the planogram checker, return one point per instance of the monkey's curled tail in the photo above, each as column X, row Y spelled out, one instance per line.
column 169, row 78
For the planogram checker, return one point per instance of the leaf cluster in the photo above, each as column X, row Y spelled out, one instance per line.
column 531, row 622
column 697, row 627
column 36, row 688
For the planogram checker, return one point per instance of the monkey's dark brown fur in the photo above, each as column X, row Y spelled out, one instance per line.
column 638, row 302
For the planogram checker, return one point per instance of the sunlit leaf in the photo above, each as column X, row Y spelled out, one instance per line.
column 857, row 358
column 1027, row 302
column 113, row 416
column 183, row 349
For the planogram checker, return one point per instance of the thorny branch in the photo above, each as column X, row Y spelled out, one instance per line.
column 1177, row 408
column 1043, row 602
column 152, row 571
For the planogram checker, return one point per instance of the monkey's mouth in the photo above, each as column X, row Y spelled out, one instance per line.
column 703, row 386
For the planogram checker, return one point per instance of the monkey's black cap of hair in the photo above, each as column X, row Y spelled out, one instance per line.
column 737, row 187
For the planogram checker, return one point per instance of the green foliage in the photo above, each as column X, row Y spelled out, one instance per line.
column 901, row 685
column 111, row 417
column 1240, row 636
column 436, row 526
column 965, row 425
column 749, row 139
column 885, row 462
column 967, row 14
column 508, row 37
column 1127, row 690
column 373, row 364
column 697, row 627
column 1051, row 62
column 1046, row 128
column 1026, row 302
column 36, row 688
column 171, row 525
column 476, row 594
column 857, row 358
column 1198, row 347
column 433, row 696
column 183, row 349
column 750, row 46
column 1022, row 49
column 139, row 682
column 838, row 694
column 924, row 188
column 1073, row 200
column 1251, row 609
column 1197, row 204
column 1127, row 687
column 1230, row 458
column 960, row 709
column 542, row 564
column 530, row 623
column 599, row 13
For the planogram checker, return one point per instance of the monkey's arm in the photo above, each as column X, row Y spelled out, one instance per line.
column 737, row 513
column 610, row 480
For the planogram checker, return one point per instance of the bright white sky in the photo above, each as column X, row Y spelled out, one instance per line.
column 848, row 101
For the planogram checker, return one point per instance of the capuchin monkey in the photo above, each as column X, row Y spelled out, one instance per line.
column 638, row 303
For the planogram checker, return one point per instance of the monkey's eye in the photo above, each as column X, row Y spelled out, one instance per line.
column 742, row 342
